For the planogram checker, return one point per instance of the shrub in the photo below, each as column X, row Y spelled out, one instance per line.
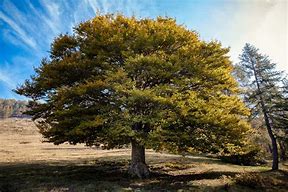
column 250, row 156
column 255, row 180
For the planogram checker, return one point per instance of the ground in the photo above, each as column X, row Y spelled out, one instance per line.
column 29, row 164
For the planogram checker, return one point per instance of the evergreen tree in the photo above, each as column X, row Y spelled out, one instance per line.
column 151, row 83
column 263, row 92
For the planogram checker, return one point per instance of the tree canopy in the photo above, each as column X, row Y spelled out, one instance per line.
column 118, row 80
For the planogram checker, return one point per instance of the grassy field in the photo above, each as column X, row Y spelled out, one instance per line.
column 28, row 164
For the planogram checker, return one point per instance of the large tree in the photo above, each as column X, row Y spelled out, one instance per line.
column 264, row 93
column 151, row 83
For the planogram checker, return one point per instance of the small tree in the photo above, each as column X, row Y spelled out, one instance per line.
column 263, row 92
column 151, row 83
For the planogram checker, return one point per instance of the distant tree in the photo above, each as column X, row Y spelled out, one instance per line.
column 263, row 92
column 151, row 83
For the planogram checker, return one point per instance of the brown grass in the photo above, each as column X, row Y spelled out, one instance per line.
column 28, row 164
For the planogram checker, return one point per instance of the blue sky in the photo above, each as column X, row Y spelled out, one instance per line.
column 27, row 27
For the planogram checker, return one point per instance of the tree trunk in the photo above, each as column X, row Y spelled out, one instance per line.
column 275, row 154
column 273, row 141
column 138, row 166
column 283, row 150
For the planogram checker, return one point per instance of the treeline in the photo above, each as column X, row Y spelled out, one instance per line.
column 12, row 108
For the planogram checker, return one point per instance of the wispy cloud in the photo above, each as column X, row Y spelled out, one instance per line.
column 48, row 23
column 36, row 23
column 127, row 7
column 14, row 72
column 93, row 4
column 4, row 77
column 53, row 15
column 21, row 34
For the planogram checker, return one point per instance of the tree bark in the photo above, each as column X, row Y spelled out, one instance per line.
column 275, row 162
column 273, row 142
column 138, row 167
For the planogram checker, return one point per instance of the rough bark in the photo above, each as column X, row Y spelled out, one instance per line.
column 138, row 167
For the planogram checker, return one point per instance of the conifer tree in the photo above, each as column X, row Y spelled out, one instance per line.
column 151, row 83
column 263, row 92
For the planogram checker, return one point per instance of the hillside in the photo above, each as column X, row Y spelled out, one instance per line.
column 12, row 108
column 28, row 164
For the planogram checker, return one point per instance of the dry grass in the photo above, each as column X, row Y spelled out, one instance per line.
column 28, row 164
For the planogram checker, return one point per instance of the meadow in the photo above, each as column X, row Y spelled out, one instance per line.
column 29, row 164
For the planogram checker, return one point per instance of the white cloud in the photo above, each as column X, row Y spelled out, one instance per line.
column 127, row 7
column 53, row 19
column 263, row 24
column 44, row 19
column 14, row 72
column 93, row 4
column 4, row 77
column 21, row 34
column 272, row 34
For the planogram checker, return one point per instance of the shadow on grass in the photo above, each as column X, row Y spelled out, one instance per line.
column 102, row 176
